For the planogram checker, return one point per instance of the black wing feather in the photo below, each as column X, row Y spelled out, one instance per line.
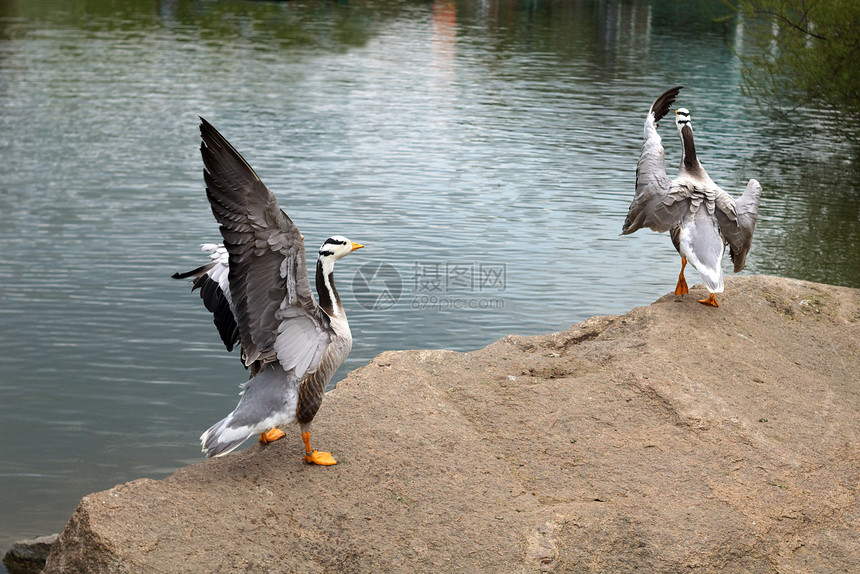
column 661, row 105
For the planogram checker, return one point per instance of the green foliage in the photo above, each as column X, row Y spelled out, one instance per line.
column 808, row 54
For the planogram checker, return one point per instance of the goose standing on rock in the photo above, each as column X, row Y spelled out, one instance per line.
column 700, row 217
column 256, row 285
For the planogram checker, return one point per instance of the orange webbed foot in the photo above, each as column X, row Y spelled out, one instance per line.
column 315, row 456
column 271, row 436
column 712, row 301
column 321, row 458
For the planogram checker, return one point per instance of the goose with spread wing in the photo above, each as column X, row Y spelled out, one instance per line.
column 700, row 217
column 256, row 286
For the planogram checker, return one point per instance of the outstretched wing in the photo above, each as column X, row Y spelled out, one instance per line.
column 275, row 310
column 214, row 287
column 738, row 232
column 653, row 206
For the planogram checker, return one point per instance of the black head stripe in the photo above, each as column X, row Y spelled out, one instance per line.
column 326, row 253
column 332, row 241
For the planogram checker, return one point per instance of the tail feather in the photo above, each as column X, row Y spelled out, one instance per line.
column 216, row 442
column 712, row 276
column 714, row 284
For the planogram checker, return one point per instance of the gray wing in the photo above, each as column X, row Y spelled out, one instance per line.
column 738, row 230
column 653, row 206
column 275, row 310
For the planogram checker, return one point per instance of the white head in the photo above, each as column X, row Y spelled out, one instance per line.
column 684, row 124
column 682, row 118
column 337, row 246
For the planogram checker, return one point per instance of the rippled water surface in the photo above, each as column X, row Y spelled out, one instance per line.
column 483, row 151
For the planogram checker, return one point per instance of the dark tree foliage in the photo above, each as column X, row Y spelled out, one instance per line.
column 808, row 55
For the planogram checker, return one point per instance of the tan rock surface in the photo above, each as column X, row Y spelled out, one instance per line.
column 674, row 438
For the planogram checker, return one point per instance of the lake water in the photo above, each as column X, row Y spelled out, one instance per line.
column 483, row 151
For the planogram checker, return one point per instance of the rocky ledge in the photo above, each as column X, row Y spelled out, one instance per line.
column 676, row 437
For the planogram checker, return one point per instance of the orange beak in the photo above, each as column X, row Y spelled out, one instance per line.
column 355, row 246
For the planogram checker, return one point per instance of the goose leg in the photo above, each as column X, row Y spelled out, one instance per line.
column 315, row 456
column 271, row 436
column 681, row 288
column 712, row 301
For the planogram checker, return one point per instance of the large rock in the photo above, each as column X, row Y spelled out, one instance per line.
column 674, row 438
column 29, row 556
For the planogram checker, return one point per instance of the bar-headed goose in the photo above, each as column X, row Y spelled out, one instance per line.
column 701, row 217
column 256, row 285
